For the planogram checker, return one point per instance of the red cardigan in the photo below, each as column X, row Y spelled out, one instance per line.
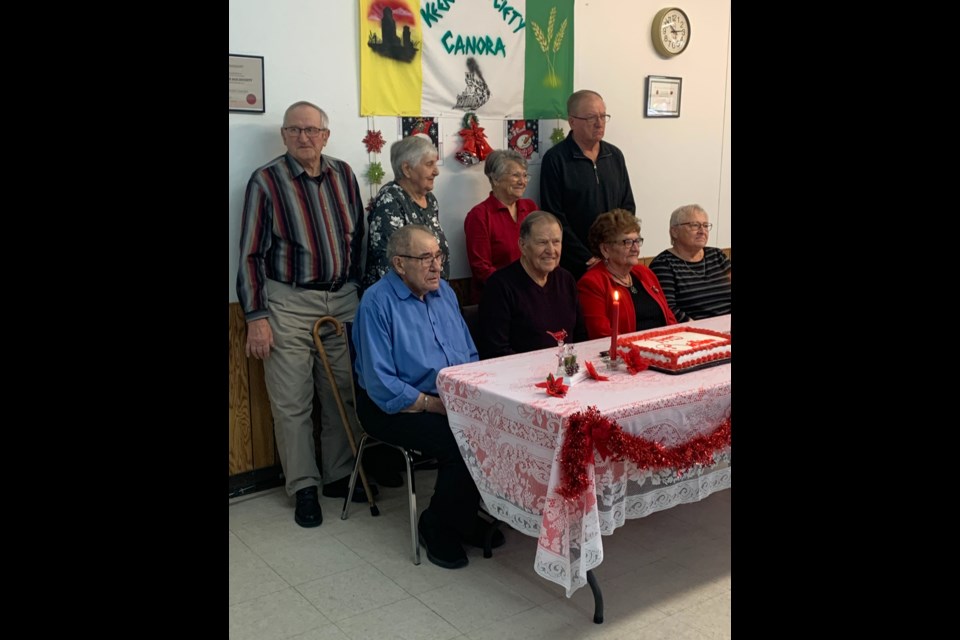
column 596, row 299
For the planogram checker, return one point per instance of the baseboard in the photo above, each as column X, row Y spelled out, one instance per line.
column 257, row 480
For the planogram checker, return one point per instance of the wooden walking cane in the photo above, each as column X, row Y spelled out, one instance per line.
column 338, row 329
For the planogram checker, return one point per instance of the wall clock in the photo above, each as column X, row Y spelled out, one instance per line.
column 670, row 31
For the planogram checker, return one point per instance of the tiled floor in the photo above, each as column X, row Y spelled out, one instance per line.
column 666, row 576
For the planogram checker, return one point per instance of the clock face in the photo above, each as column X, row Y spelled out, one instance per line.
column 671, row 31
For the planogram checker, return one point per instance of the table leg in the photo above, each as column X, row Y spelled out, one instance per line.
column 597, row 597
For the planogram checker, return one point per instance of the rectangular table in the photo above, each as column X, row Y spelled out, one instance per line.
column 511, row 432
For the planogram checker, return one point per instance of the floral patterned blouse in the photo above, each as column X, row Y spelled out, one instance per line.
column 394, row 208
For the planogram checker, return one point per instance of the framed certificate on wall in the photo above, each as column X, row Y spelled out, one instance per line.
column 663, row 97
column 246, row 83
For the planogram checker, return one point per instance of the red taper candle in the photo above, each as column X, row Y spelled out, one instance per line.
column 614, row 325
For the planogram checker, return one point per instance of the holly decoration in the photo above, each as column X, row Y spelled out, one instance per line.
column 374, row 141
column 557, row 136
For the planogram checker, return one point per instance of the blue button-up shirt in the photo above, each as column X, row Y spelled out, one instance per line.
column 403, row 342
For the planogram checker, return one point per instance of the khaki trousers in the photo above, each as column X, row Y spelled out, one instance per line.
column 294, row 369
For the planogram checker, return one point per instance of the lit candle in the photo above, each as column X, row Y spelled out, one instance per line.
column 614, row 325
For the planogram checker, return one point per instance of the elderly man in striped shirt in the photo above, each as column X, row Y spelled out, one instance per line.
column 300, row 259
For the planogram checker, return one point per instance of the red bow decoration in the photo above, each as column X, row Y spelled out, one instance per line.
column 588, row 429
column 554, row 386
column 634, row 361
column 475, row 145
column 559, row 336
column 593, row 371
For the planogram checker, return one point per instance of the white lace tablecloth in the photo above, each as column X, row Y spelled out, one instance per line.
column 510, row 433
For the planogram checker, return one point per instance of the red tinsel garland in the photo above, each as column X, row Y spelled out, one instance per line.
column 589, row 429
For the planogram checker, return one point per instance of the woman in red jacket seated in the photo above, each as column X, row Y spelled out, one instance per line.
column 615, row 238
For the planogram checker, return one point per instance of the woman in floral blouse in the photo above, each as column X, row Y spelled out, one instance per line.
column 405, row 200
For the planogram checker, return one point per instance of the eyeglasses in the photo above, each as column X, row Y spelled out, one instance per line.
column 631, row 242
column 594, row 119
column 426, row 259
column 312, row 132
column 696, row 226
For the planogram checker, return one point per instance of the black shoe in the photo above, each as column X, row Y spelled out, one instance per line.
column 478, row 536
column 338, row 489
column 443, row 549
column 308, row 512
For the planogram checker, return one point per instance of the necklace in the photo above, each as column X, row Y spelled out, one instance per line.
column 629, row 284
column 703, row 261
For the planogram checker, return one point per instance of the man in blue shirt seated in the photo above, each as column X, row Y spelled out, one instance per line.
column 408, row 327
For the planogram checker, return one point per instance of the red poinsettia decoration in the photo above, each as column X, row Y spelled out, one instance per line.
column 374, row 141
column 559, row 336
column 554, row 386
column 593, row 371
column 634, row 361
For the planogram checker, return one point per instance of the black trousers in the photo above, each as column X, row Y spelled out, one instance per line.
column 455, row 498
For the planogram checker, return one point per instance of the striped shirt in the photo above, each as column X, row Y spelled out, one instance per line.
column 297, row 228
column 695, row 290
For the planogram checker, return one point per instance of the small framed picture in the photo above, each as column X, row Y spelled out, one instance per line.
column 523, row 136
column 424, row 126
column 246, row 84
column 663, row 97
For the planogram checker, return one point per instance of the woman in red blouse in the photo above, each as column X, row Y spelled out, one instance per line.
column 492, row 227
column 615, row 238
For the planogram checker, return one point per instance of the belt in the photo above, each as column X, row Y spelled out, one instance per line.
column 319, row 286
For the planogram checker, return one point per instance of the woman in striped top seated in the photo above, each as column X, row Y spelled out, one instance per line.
column 695, row 278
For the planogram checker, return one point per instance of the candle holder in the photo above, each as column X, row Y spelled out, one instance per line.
column 611, row 365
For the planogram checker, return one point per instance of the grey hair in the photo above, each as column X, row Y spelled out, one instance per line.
column 536, row 216
column 573, row 102
column 401, row 239
column 411, row 150
column 495, row 166
column 324, row 120
column 680, row 215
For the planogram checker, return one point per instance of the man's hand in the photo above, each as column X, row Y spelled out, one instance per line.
column 592, row 261
column 259, row 339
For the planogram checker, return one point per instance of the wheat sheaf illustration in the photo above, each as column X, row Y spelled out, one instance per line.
column 550, row 49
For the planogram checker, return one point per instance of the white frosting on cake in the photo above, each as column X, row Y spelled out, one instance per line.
column 681, row 347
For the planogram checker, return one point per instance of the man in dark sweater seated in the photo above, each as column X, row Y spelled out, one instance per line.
column 532, row 296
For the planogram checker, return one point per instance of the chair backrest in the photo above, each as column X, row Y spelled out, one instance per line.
column 471, row 315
